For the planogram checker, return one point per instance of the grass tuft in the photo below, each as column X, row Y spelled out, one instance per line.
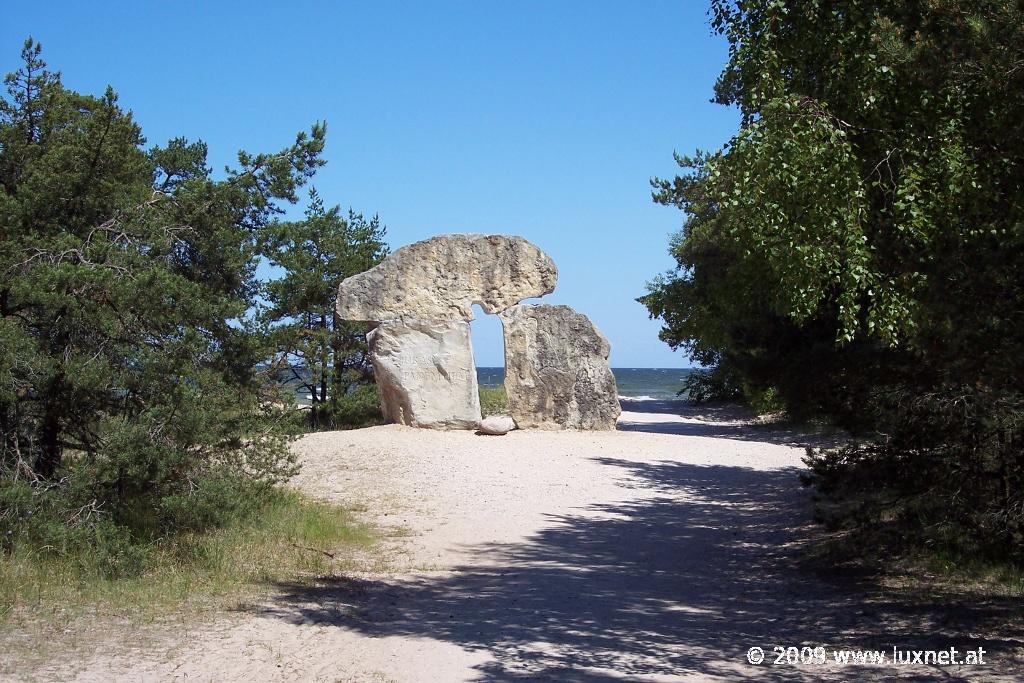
column 289, row 535
column 493, row 401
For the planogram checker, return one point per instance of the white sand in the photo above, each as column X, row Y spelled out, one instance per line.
column 595, row 557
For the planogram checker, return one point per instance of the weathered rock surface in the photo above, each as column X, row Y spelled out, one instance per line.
column 496, row 425
column 441, row 278
column 420, row 299
column 425, row 373
column 556, row 370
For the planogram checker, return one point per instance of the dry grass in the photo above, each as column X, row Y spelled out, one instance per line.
column 193, row 575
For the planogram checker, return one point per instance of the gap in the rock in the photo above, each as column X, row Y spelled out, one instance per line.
column 488, row 348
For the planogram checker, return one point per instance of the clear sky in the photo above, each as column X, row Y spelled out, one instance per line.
column 541, row 119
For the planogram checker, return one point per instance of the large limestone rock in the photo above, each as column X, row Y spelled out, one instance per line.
column 441, row 278
column 420, row 299
column 556, row 370
column 425, row 373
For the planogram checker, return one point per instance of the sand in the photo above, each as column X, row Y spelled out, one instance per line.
column 660, row 552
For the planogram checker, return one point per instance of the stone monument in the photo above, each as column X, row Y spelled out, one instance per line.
column 419, row 302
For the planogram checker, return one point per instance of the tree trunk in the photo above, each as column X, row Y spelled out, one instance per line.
column 314, row 403
column 6, row 423
column 324, row 353
column 337, row 366
column 5, row 433
column 50, row 450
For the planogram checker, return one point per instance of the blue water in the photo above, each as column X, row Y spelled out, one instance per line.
column 633, row 382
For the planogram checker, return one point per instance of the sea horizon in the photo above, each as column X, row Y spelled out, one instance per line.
column 633, row 383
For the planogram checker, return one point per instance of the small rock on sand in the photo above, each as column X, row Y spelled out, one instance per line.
column 496, row 425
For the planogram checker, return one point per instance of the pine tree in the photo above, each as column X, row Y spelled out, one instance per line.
column 128, row 358
column 316, row 351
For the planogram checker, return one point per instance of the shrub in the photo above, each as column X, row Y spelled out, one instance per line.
column 358, row 408
column 704, row 386
column 947, row 476
column 493, row 401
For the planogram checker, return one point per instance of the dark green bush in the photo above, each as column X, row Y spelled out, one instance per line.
column 716, row 384
column 360, row 407
column 111, row 550
column 947, row 475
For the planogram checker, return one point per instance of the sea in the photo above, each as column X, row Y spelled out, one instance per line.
column 633, row 383
column 636, row 383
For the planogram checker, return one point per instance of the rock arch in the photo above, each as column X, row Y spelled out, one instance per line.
column 419, row 303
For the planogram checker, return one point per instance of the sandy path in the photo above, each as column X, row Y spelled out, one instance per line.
column 658, row 553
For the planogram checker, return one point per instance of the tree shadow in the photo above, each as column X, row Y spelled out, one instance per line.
column 678, row 584
column 706, row 412
column 720, row 421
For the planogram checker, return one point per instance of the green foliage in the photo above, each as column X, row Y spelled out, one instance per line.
column 130, row 403
column 493, row 401
column 859, row 238
column 358, row 407
column 316, row 352
column 716, row 384
column 949, row 469
column 279, row 535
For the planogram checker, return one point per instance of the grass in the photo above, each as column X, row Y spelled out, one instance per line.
column 290, row 536
column 937, row 560
column 969, row 574
column 923, row 575
column 493, row 401
column 878, row 524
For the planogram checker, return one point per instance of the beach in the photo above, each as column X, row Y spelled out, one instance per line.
column 659, row 552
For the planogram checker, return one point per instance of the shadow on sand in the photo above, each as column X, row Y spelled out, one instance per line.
column 718, row 420
column 679, row 583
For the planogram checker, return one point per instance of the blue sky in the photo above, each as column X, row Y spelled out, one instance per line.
column 541, row 119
